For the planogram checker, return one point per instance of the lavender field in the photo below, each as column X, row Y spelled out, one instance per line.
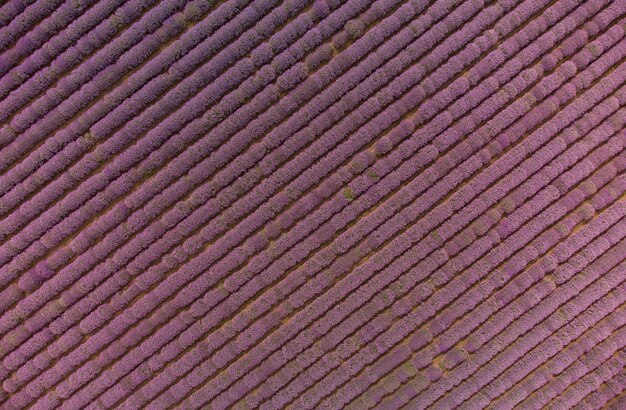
column 313, row 204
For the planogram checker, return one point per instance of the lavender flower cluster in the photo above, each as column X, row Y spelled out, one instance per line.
column 312, row 204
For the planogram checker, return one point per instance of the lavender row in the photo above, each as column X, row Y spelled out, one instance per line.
column 571, row 312
column 436, row 279
column 99, row 180
column 165, row 81
column 12, row 147
column 64, row 182
column 35, row 84
column 602, row 366
column 423, row 249
column 485, row 311
column 17, row 72
column 607, row 395
column 617, row 403
column 47, row 196
column 541, row 243
column 501, row 318
column 296, row 298
column 513, row 327
column 394, row 402
column 146, row 154
column 52, row 25
column 561, row 351
column 548, row 327
column 603, row 396
column 17, row 129
column 354, row 323
column 10, row 9
column 102, row 107
column 25, row 20
column 563, row 347
column 86, row 142
column 451, row 290
column 178, row 145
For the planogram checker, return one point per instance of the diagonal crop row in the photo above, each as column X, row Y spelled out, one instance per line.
column 430, row 311
column 413, row 258
column 561, row 351
column 58, row 21
column 24, row 21
column 495, row 345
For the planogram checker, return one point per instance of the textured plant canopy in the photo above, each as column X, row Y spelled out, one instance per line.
column 312, row 204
